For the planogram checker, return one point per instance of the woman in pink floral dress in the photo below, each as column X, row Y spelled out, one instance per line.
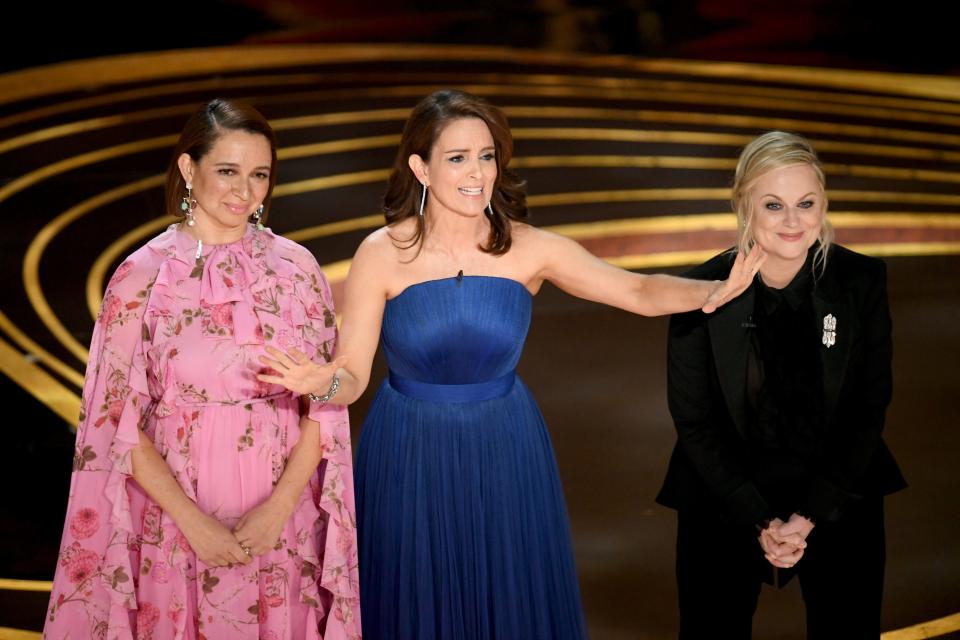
column 205, row 503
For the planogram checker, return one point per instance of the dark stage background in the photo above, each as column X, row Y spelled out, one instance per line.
column 598, row 373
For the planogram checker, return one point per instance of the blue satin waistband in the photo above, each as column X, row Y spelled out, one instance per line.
column 453, row 392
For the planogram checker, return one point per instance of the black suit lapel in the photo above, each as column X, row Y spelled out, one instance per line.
column 730, row 330
column 827, row 301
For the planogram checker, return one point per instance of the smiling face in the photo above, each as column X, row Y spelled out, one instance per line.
column 461, row 170
column 231, row 181
column 788, row 207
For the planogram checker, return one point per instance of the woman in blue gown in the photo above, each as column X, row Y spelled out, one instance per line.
column 462, row 524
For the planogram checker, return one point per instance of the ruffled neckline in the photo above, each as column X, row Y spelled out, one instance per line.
column 180, row 245
column 242, row 275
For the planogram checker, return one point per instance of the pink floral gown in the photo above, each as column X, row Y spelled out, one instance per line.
column 174, row 353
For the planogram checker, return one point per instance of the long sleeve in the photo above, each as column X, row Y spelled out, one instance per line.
column 340, row 554
column 94, row 569
column 854, row 434
column 706, row 434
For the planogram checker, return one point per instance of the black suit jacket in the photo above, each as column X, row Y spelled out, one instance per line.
column 710, row 469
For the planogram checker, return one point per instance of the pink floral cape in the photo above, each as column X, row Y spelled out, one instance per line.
column 174, row 355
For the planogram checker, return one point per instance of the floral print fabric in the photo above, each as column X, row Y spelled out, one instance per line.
column 174, row 355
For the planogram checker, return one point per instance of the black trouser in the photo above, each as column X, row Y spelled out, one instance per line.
column 720, row 570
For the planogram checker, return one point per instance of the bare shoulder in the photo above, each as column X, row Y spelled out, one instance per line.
column 536, row 252
column 375, row 264
column 537, row 241
column 381, row 245
column 526, row 235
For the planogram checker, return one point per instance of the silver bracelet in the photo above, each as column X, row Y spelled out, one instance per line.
column 332, row 391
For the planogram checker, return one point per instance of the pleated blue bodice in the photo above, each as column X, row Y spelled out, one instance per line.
column 456, row 331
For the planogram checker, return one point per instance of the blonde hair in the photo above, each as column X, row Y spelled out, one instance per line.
column 765, row 153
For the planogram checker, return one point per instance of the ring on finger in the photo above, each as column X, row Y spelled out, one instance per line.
column 246, row 549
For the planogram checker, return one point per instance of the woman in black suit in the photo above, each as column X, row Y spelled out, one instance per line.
column 779, row 400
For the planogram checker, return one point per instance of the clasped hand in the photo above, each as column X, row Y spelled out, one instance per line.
column 784, row 543
column 256, row 533
column 259, row 529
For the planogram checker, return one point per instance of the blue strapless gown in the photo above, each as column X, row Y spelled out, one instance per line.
column 462, row 524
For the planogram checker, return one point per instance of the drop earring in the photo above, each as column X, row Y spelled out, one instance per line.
column 423, row 200
column 187, row 205
column 490, row 209
column 256, row 216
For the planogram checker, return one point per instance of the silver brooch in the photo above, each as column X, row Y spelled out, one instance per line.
column 829, row 330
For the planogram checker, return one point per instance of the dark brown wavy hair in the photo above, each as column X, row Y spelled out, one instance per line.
column 203, row 129
column 420, row 133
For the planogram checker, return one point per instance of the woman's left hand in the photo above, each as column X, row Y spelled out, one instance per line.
column 796, row 525
column 259, row 529
column 781, row 551
column 785, row 542
column 741, row 275
column 295, row 371
column 781, row 555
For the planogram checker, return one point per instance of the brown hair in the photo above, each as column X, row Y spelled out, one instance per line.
column 203, row 129
column 420, row 133
column 765, row 153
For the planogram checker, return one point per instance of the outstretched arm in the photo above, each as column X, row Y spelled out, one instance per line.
column 580, row 273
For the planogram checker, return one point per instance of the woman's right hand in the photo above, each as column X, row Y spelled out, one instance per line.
column 212, row 542
column 782, row 551
column 296, row 372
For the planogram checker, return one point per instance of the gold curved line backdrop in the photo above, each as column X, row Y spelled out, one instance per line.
column 705, row 94
column 143, row 67
column 943, row 109
column 382, row 115
column 31, row 260
column 82, row 160
column 262, row 81
column 279, row 124
column 534, row 133
column 931, row 629
column 40, row 384
column 728, row 222
column 39, row 135
column 29, row 346
column 7, row 584
column 624, row 135
column 6, row 633
column 732, row 120
column 710, row 96
column 697, row 98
